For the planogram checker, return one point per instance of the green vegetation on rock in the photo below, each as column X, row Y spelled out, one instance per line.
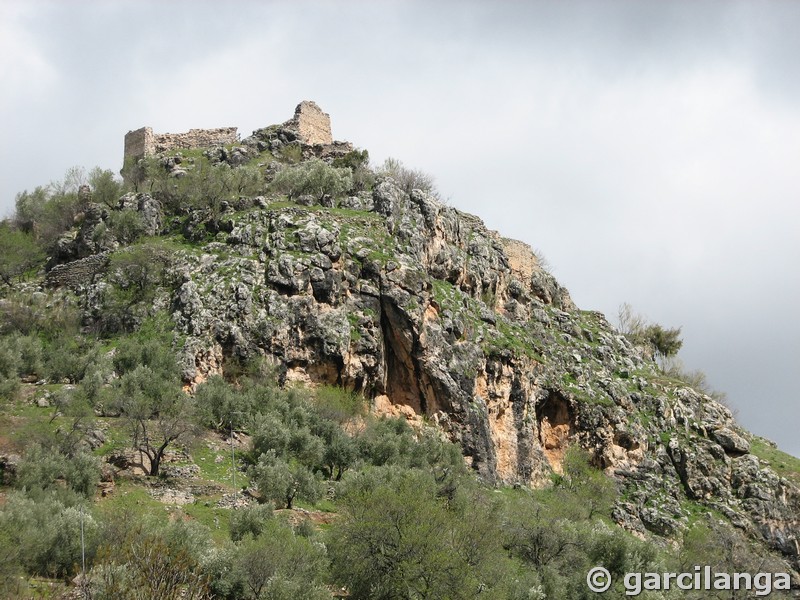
column 268, row 370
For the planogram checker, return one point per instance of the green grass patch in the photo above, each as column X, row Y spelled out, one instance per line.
column 500, row 338
column 218, row 471
column 117, row 437
column 696, row 512
column 217, row 520
column 599, row 398
column 281, row 204
column 25, row 423
column 132, row 499
column 783, row 464
column 186, row 153
column 324, row 505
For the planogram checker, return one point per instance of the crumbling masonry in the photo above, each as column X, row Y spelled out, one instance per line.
column 143, row 142
column 312, row 126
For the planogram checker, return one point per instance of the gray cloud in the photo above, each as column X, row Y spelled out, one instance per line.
column 649, row 149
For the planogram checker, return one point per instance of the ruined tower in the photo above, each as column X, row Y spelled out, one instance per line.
column 312, row 125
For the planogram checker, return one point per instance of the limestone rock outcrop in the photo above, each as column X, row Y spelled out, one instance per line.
column 423, row 308
column 431, row 315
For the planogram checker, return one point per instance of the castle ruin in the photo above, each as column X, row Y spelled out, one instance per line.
column 311, row 125
column 143, row 142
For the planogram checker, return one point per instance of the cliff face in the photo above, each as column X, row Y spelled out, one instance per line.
column 427, row 312
column 432, row 316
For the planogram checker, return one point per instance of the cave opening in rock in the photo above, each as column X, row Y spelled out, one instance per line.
column 402, row 381
column 556, row 424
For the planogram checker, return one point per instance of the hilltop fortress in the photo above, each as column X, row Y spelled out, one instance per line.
column 310, row 125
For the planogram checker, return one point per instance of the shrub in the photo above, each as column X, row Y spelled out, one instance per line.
column 337, row 404
column 106, row 188
column 282, row 482
column 202, row 186
column 270, row 433
column 221, row 407
column 18, row 253
column 696, row 379
column 386, row 442
column 282, row 566
column 583, row 491
column 358, row 163
column 247, row 181
column 66, row 358
column 49, row 211
column 629, row 323
column 353, row 160
column 137, row 274
column 30, row 353
column 59, row 215
column 150, row 346
column 313, row 177
column 225, row 578
column 249, row 372
column 95, row 378
column 30, row 313
column 29, row 208
column 135, row 171
column 39, row 469
column 137, row 271
column 47, row 534
column 396, row 535
column 42, row 468
column 664, row 343
column 10, row 361
column 152, row 563
column 275, row 565
column 127, row 226
column 408, row 179
column 10, row 566
column 393, row 442
column 291, row 153
column 250, row 520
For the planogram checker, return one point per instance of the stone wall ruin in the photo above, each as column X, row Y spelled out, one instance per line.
column 310, row 124
column 143, row 142
column 77, row 273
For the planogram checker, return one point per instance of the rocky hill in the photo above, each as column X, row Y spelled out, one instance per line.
column 380, row 288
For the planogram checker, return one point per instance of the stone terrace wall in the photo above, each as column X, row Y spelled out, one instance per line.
column 78, row 272
column 143, row 142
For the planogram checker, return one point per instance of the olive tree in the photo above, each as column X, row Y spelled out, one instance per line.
column 398, row 539
column 282, row 482
column 18, row 253
column 157, row 412
column 313, row 177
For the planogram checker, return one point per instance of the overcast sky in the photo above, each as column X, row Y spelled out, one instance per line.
column 650, row 150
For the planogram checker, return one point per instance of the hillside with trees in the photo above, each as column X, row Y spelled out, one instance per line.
column 272, row 370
